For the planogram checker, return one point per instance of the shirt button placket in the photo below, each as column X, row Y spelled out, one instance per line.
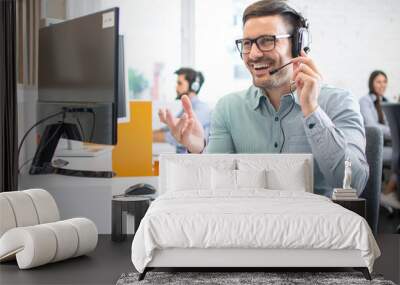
column 276, row 120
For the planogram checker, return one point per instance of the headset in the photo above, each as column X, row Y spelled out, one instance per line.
column 195, row 86
column 284, row 116
column 301, row 38
column 195, row 80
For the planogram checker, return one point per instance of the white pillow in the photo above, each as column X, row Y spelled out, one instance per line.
column 182, row 177
column 227, row 179
column 223, row 179
column 251, row 178
column 282, row 174
column 293, row 181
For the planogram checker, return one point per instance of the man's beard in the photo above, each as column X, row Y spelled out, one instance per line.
column 179, row 95
column 276, row 80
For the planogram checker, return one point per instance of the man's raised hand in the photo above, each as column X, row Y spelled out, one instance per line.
column 187, row 129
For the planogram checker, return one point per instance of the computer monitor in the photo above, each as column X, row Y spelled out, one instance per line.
column 122, row 99
column 78, row 84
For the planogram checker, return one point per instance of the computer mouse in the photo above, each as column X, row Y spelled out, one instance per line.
column 59, row 162
column 140, row 189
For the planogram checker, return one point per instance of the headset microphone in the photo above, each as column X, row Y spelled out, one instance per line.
column 273, row 71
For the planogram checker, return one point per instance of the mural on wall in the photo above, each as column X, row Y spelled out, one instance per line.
column 137, row 84
column 155, row 89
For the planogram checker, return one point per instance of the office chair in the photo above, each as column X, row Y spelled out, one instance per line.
column 392, row 112
column 386, row 173
column 371, row 193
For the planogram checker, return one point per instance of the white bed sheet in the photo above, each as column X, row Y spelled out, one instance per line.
column 252, row 218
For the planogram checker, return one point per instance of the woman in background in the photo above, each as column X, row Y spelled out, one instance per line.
column 371, row 110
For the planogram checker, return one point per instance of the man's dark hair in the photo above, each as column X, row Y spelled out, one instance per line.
column 372, row 77
column 292, row 18
column 190, row 76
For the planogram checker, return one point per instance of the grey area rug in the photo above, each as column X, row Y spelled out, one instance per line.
column 228, row 278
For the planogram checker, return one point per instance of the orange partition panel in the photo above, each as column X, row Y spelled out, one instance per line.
column 132, row 156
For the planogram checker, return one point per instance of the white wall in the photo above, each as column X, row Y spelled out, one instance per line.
column 76, row 8
column 53, row 9
column 27, row 98
column 352, row 38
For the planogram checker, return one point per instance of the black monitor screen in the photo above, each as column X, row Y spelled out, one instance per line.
column 78, row 59
column 121, row 79
column 78, row 72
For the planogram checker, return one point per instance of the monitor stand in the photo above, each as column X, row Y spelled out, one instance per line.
column 44, row 153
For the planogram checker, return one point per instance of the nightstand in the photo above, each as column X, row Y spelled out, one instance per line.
column 358, row 206
column 135, row 205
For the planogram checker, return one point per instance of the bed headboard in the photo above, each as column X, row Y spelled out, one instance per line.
column 284, row 171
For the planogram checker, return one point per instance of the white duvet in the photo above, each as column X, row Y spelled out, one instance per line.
column 252, row 218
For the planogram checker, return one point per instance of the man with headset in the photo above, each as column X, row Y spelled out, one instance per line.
column 189, row 83
column 287, row 109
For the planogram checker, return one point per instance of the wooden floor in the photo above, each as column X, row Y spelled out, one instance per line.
column 110, row 260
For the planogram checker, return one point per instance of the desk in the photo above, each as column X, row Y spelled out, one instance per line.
column 84, row 197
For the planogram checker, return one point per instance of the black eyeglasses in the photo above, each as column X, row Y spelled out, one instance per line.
column 263, row 43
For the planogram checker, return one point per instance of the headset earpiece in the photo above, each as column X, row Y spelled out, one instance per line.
column 301, row 41
column 301, row 36
column 195, row 86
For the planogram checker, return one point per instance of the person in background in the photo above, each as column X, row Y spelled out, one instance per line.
column 287, row 109
column 188, row 84
column 373, row 115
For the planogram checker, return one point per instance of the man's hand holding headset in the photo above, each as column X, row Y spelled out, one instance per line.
column 308, row 82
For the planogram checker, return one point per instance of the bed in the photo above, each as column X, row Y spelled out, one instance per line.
column 244, row 210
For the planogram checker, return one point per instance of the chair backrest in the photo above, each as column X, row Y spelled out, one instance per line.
column 392, row 113
column 26, row 208
column 374, row 151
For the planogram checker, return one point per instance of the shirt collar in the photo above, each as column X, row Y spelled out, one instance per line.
column 373, row 97
column 296, row 98
column 256, row 94
column 194, row 100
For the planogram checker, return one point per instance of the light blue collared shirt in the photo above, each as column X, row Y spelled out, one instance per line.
column 246, row 122
column 203, row 114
